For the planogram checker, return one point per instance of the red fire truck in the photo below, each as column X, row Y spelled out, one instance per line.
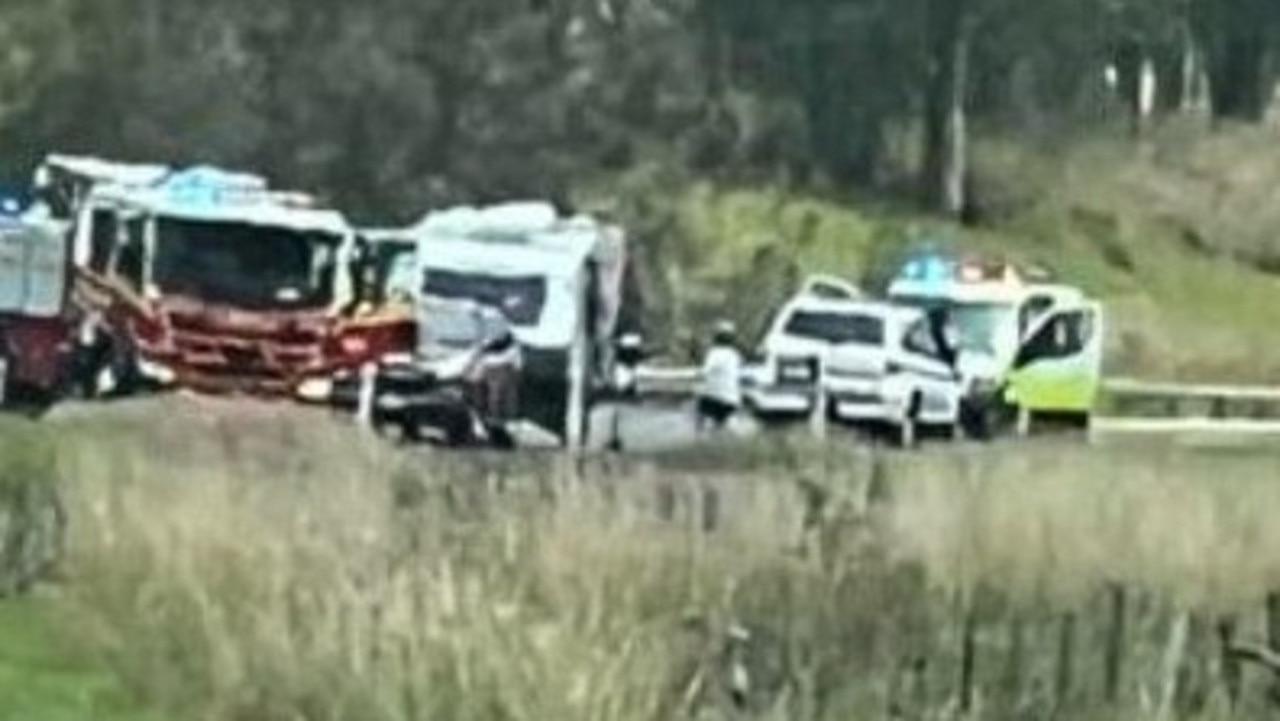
column 210, row 280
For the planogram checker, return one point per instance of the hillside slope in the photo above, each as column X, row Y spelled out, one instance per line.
column 1176, row 234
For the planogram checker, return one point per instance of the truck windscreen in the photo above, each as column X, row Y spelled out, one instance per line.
column 520, row 298
column 244, row 265
column 982, row 327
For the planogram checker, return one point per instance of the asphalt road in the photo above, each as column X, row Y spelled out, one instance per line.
column 646, row 428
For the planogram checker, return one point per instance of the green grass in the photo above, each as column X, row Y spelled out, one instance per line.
column 232, row 581
column 42, row 678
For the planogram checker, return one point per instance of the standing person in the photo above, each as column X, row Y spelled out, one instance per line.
column 720, row 394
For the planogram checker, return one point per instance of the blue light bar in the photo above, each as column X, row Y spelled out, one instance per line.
column 928, row 268
column 209, row 186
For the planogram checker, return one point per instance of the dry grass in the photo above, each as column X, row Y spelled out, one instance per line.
column 238, row 581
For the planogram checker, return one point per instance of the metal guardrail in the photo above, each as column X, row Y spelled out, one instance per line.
column 682, row 380
column 666, row 381
column 1171, row 390
column 1173, row 426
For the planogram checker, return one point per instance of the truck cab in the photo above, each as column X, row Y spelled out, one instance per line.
column 212, row 281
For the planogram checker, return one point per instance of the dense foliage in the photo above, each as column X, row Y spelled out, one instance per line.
column 391, row 105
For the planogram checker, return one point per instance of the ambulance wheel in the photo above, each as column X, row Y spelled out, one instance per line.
column 978, row 419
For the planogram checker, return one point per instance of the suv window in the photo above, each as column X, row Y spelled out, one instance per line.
column 922, row 340
column 836, row 328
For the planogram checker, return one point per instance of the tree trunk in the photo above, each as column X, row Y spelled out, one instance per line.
column 1130, row 60
column 1236, row 34
column 945, row 131
column 1237, row 79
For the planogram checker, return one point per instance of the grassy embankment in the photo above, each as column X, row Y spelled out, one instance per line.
column 266, row 569
column 1177, row 235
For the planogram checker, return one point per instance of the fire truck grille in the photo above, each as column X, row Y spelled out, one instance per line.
column 244, row 359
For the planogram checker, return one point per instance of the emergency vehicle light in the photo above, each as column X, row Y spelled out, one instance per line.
column 925, row 268
column 209, row 186
column 989, row 271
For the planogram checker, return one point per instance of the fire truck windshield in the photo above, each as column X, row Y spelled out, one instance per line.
column 244, row 265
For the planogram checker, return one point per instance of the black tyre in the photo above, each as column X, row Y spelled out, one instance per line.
column 979, row 418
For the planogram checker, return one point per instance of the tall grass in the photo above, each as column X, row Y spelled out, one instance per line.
column 235, row 581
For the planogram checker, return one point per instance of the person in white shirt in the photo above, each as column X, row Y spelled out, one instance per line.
column 720, row 392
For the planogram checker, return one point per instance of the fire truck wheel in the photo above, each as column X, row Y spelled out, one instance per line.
column 122, row 364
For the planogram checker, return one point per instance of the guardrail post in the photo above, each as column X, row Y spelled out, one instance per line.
column 821, row 400
column 1024, row 422
column 710, row 509
column 368, row 396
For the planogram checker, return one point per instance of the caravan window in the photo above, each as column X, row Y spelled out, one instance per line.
column 520, row 298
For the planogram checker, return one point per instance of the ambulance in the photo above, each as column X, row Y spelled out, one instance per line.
column 1031, row 347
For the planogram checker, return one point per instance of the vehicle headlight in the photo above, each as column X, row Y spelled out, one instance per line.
column 315, row 389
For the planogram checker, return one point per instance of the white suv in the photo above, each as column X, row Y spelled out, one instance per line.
column 880, row 364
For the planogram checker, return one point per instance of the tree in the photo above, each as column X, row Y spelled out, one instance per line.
column 949, row 31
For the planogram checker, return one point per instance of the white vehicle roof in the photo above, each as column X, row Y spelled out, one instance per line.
column 108, row 171
column 466, row 256
column 215, row 196
column 513, row 239
column 887, row 311
column 515, row 227
column 521, row 240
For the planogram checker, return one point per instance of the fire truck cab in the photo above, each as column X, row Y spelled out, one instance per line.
column 1032, row 345
column 210, row 280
